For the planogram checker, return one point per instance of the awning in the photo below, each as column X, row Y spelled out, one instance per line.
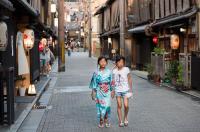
column 113, row 31
column 176, row 17
column 7, row 4
column 105, row 5
column 28, row 7
column 138, row 29
column 100, row 10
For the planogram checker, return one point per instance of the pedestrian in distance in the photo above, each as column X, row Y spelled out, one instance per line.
column 123, row 89
column 102, row 85
column 69, row 50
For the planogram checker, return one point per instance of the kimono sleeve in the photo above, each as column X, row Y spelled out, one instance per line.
column 93, row 82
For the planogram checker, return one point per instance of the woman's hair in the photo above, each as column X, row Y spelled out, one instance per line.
column 118, row 58
column 100, row 58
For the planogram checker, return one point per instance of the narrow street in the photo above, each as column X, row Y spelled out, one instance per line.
column 153, row 109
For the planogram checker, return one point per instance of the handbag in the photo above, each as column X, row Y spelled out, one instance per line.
column 129, row 95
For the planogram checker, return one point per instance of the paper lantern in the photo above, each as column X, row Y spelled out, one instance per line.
column 174, row 41
column 3, row 36
column 28, row 39
column 32, row 90
column 155, row 40
column 53, row 8
column 109, row 40
column 41, row 47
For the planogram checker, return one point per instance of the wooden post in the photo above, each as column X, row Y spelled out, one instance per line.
column 122, row 26
column 61, row 44
column 198, row 25
column 90, row 31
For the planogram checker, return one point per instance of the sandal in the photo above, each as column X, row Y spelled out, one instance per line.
column 107, row 125
column 101, row 125
column 121, row 124
column 125, row 123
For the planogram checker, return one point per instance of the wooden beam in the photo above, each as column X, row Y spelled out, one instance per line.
column 167, row 11
column 172, row 5
column 186, row 4
column 157, row 9
column 162, row 8
column 179, row 5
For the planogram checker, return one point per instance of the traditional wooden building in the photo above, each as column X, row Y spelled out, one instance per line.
column 113, row 25
column 17, row 16
column 165, row 19
column 142, row 41
column 7, row 59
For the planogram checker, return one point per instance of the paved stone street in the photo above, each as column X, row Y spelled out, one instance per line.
column 153, row 109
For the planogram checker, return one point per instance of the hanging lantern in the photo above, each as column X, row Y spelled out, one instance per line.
column 41, row 47
column 3, row 36
column 155, row 40
column 109, row 40
column 174, row 41
column 28, row 39
column 53, row 8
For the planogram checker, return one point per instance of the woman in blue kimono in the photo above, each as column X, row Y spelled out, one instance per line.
column 102, row 90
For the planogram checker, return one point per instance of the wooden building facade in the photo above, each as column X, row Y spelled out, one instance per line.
column 113, row 26
column 162, row 19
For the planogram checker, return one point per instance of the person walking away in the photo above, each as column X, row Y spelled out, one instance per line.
column 123, row 89
column 69, row 50
column 48, row 58
column 102, row 89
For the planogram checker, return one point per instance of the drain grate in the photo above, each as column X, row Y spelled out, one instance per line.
column 40, row 107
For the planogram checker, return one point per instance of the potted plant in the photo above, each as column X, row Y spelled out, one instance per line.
column 179, row 81
column 158, row 51
column 173, row 71
column 22, row 88
column 149, row 69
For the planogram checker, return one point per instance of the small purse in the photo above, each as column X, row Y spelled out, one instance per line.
column 129, row 95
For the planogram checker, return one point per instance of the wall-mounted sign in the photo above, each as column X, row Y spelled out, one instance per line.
column 174, row 41
column 3, row 36
column 29, row 39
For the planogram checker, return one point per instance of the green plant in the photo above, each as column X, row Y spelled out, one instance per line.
column 21, row 79
column 172, row 72
column 149, row 69
column 180, row 75
column 158, row 50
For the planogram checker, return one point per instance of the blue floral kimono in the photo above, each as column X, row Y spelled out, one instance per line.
column 102, row 83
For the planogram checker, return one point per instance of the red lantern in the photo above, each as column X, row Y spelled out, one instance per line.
column 155, row 40
column 41, row 47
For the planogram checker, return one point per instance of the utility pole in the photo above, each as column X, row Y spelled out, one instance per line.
column 198, row 24
column 90, row 30
column 61, row 37
column 122, row 26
